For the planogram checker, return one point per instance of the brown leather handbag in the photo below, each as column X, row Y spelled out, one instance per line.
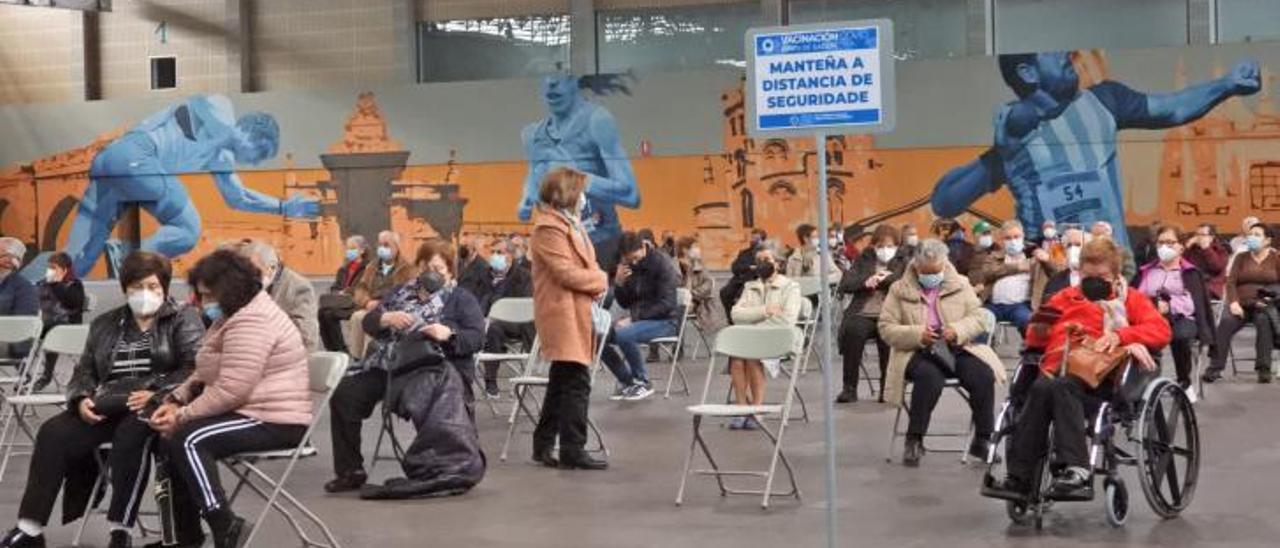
column 1089, row 365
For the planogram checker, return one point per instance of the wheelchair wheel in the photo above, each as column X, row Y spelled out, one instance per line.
column 1168, row 448
column 1117, row 502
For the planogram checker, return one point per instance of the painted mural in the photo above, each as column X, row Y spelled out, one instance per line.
column 1205, row 149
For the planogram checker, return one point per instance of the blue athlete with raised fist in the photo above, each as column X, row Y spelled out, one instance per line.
column 198, row 135
column 1055, row 147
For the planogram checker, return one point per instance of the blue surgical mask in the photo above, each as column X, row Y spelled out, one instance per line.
column 352, row 254
column 930, row 281
column 1013, row 247
column 1253, row 243
column 213, row 311
column 498, row 262
column 385, row 253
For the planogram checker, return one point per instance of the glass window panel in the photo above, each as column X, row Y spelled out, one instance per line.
column 1248, row 20
column 925, row 29
column 674, row 38
column 493, row 48
column 1047, row 25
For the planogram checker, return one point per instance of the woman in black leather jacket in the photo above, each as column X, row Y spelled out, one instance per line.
column 132, row 351
column 879, row 265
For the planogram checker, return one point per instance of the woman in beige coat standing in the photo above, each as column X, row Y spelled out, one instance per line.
column 566, row 280
column 933, row 303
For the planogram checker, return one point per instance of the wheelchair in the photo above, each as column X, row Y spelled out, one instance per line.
column 1149, row 423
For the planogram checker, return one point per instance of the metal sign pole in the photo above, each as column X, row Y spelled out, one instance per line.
column 824, row 303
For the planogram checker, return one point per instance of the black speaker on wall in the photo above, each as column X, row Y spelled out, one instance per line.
column 164, row 72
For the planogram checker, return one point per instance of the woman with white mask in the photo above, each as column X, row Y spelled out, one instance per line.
column 132, row 352
column 1178, row 289
column 868, row 282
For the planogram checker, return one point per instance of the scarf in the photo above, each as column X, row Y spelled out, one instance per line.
column 1114, row 314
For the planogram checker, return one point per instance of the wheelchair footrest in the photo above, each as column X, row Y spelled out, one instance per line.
column 992, row 489
column 1085, row 494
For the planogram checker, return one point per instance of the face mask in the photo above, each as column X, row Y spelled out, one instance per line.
column 1050, row 233
column 985, row 241
column 765, row 269
column 695, row 253
column 913, row 241
column 212, row 311
column 1095, row 288
column 813, row 242
column 1073, row 257
column 498, row 262
column 385, row 253
column 1167, row 253
column 144, row 302
column 1013, row 247
column 352, row 254
column 1253, row 243
column 431, row 281
column 930, row 281
column 51, row 276
column 886, row 254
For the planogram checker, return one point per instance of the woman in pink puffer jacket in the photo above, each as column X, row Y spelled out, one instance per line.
column 249, row 393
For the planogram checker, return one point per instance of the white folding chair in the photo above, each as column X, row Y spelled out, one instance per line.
column 810, row 287
column 17, row 330
column 509, row 310
column 68, row 342
column 674, row 344
column 535, row 376
column 754, row 343
column 326, row 371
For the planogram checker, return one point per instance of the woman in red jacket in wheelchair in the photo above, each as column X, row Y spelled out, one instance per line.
column 1110, row 316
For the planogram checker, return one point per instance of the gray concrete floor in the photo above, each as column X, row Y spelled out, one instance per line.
column 879, row 503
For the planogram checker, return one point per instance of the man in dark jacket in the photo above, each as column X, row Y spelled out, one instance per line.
column 505, row 278
column 744, row 270
column 338, row 304
column 17, row 296
column 646, row 287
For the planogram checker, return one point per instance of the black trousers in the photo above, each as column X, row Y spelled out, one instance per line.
column 1183, row 347
column 855, row 331
column 1227, row 328
column 1060, row 401
column 331, row 328
column 497, row 337
column 928, row 380
column 353, row 402
column 564, row 408
column 193, row 454
column 66, row 444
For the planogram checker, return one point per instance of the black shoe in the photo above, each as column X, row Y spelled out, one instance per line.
column 979, row 449
column 848, row 395
column 351, row 481
column 1072, row 484
column 491, row 389
column 17, row 539
column 233, row 535
column 1211, row 377
column 546, row 457
column 41, row 384
column 1264, row 377
column 120, row 539
column 912, row 453
column 580, row 460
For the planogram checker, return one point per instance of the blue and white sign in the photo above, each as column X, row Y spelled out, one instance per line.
column 832, row 76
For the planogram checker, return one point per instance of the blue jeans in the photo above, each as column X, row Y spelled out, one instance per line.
column 1019, row 314
column 628, row 339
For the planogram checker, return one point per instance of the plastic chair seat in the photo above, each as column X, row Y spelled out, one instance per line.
column 309, row 451
column 501, row 357
column 531, row 380
column 731, row 410
column 37, row 399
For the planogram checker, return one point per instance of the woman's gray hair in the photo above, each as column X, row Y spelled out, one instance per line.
column 13, row 246
column 931, row 251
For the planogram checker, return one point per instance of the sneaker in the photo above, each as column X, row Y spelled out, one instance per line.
column 1072, row 483
column 619, row 393
column 735, row 423
column 1191, row 394
column 749, row 423
column 17, row 539
column 637, row 392
column 491, row 390
column 120, row 539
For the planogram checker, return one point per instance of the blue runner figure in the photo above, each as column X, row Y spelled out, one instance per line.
column 1055, row 146
column 582, row 134
column 199, row 134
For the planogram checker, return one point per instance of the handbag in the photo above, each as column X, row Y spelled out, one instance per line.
column 413, row 352
column 940, row 354
column 111, row 398
column 1089, row 365
column 601, row 319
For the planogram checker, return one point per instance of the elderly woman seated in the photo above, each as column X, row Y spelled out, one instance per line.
column 931, row 318
column 1100, row 315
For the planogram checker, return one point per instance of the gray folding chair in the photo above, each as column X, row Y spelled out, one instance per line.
column 755, row 343
column 17, row 330
column 674, row 344
column 898, row 433
column 534, row 377
column 509, row 310
column 13, row 418
column 67, row 341
column 326, row 371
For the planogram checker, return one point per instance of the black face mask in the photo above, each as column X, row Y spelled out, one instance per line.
column 1095, row 288
column 430, row 282
column 765, row 269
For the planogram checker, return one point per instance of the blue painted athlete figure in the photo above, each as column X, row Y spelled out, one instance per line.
column 1055, row 147
column 198, row 135
column 581, row 134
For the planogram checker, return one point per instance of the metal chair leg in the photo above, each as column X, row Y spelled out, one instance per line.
column 688, row 460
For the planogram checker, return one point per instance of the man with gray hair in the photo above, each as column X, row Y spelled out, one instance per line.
column 933, row 323
column 1013, row 275
column 291, row 291
column 18, row 297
